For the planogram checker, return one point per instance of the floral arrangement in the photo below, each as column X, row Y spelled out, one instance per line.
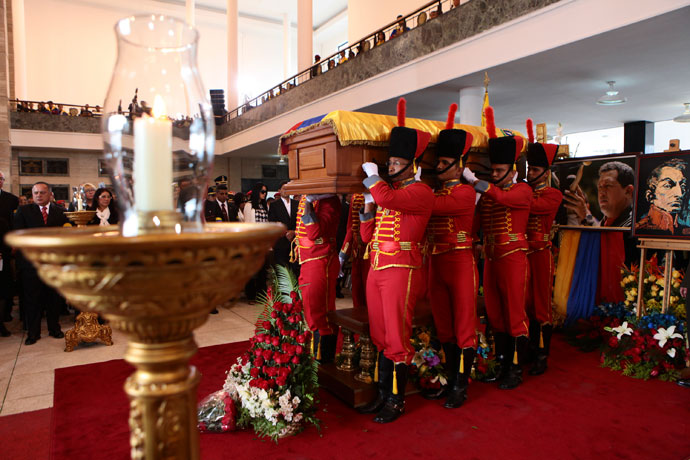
column 650, row 347
column 427, row 369
column 485, row 364
column 654, row 282
column 217, row 413
column 273, row 385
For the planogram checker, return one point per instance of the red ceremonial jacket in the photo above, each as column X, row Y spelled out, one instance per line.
column 545, row 203
column 450, row 226
column 396, row 234
column 353, row 240
column 315, row 233
column 503, row 215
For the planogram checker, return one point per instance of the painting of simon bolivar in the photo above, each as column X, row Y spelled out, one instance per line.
column 661, row 202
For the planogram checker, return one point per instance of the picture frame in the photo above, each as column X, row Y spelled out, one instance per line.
column 582, row 176
column 662, row 198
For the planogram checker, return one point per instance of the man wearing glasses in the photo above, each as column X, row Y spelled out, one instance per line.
column 395, row 234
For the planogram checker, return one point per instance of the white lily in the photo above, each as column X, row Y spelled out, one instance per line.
column 622, row 330
column 663, row 335
column 671, row 352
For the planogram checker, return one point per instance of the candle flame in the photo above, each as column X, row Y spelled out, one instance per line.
column 158, row 107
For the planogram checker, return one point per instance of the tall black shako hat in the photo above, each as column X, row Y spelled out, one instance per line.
column 538, row 153
column 502, row 150
column 406, row 142
column 453, row 143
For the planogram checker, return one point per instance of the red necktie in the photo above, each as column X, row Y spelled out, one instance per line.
column 44, row 213
column 225, row 212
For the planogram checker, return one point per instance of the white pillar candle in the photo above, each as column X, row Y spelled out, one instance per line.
column 153, row 160
column 80, row 206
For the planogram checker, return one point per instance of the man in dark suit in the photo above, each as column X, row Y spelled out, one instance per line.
column 38, row 295
column 8, row 204
column 284, row 210
column 221, row 209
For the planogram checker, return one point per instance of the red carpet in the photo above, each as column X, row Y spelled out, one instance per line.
column 576, row 410
column 26, row 435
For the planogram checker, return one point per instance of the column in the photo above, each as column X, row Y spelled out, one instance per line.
column 5, row 147
column 286, row 46
column 233, row 51
column 19, row 39
column 189, row 8
column 470, row 103
column 305, row 33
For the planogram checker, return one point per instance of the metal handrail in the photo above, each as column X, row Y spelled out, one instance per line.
column 318, row 68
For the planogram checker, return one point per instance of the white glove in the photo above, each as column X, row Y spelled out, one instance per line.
column 312, row 198
column 418, row 174
column 342, row 257
column 515, row 179
column 370, row 169
column 368, row 198
column 469, row 175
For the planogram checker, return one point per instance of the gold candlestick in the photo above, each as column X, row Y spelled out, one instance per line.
column 157, row 288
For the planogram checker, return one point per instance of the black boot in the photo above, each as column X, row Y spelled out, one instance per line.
column 328, row 344
column 458, row 392
column 544, row 342
column 385, row 378
column 502, row 354
column 451, row 368
column 513, row 378
column 533, row 347
column 395, row 404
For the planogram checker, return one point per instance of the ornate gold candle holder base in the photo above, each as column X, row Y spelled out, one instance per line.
column 87, row 329
column 81, row 218
column 157, row 288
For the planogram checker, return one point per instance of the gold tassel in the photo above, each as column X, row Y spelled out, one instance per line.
column 515, row 356
column 514, row 167
column 541, row 338
column 318, row 352
column 460, row 162
column 376, row 371
column 312, row 344
column 395, row 381
column 414, row 166
column 462, row 362
column 366, row 252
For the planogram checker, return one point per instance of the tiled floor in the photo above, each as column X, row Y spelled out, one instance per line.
column 27, row 372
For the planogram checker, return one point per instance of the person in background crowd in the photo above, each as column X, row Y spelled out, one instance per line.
column 401, row 28
column 42, row 108
column 85, row 112
column 256, row 210
column 8, row 205
column 379, row 39
column 223, row 209
column 209, row 205
column 105, row 207
column 353, row 248
column 331, row 64
column 39, row 296
column 284, row 210
column 316, row 69
column 240, row 201
column 455, row 4
column 269, row 202
column 23, row 200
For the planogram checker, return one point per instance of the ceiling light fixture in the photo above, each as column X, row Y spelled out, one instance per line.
column 685, row 117
column 281, row 160
column 611, row 97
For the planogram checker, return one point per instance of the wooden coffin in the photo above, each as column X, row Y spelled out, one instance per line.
column 326, row 156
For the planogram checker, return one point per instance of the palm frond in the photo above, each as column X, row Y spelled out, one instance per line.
column 286, row 282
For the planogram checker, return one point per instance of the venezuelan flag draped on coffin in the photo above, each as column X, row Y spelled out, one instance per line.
column 325, row 153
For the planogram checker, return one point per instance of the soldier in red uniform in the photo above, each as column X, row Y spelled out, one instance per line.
column 453, row 272
column 503, row 212
column 395, row 236
column 545, row 203
column 354, row 247
column 317, row 225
